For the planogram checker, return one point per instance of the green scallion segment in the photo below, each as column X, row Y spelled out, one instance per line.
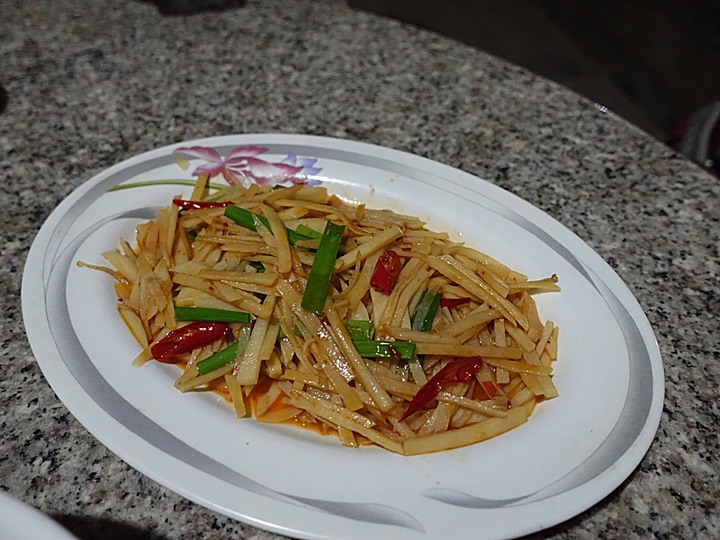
column 307, row 231
column 382, row 349
column 257, row 265
column 247, row 219
column 211, row 314
column 221, row 358
column 425, row 311
column 244, row 217
column 360, row 330
column 321, row 270
column 294, row 237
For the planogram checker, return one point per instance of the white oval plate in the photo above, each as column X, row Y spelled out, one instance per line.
column 20, row 521
column 573, row 452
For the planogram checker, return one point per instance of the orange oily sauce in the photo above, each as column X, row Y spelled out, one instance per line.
column 304, row 421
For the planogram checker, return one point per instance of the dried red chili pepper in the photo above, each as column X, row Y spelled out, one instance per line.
column 459, row 370
column 453, row 302
column 187, row 338
column 489, row 387
column 387, row 270
column 198, row 205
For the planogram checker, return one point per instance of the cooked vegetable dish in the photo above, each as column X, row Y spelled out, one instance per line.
column 303, row 309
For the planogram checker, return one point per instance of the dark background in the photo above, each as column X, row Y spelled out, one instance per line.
column 651, row 62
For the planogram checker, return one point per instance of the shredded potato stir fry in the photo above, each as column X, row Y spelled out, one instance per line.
column 416, row 344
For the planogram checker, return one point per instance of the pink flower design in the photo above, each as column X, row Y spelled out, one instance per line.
column 242, row 165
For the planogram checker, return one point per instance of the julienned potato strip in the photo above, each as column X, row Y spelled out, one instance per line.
column 293, row 366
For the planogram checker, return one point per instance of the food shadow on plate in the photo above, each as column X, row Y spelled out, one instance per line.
column 93, row 528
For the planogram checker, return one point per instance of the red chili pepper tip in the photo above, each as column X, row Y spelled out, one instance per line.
column 387, row 269
column 458, row 370
column 490, row 388
column 187, row 338
column 197, row 205
column 453, row 302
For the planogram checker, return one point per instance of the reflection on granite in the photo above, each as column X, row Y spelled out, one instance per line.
column 91, row 82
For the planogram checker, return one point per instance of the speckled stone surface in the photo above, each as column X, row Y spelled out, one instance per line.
column 92, row 82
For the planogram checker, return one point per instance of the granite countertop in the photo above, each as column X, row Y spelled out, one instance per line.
column 92, row 82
